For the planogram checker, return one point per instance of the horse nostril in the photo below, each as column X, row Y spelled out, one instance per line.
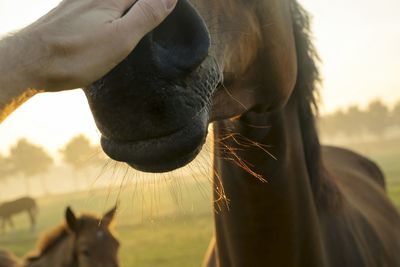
column 181, row 42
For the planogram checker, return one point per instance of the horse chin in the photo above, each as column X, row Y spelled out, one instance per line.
column 162, row 154
column 164, row 140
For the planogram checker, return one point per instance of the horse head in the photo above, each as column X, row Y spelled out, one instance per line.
column 94, row 244
column 208, row 61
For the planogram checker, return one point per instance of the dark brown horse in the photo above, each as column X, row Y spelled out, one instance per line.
column 10, row 208
column 250, row 68
column 84, row 241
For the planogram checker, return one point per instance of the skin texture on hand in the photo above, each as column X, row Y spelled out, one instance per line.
column 73, row 45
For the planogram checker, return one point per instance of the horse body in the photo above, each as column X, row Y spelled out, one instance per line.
column 291, row 202
column 273, row 223
column 366, row 229
column 82, row 242
column 279, row 222
column 11, row 208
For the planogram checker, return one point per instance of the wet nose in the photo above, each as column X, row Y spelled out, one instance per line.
column 157, row 89
column 177, row 46
column 181, row 43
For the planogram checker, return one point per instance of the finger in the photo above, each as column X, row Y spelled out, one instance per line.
column 120, row 5
column 145, row 15
column 124, row 4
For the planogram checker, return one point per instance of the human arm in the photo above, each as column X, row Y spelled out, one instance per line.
column 73, row 45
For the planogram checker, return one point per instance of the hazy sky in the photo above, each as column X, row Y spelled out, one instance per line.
column 358, row 40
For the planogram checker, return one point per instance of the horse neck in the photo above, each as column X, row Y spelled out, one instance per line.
column 272, row 222
column 61, row 255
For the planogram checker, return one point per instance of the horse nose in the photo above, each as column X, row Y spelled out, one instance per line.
column 181, row 42
column 160, row 87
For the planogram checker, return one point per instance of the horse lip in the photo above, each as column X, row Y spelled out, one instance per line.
column 168, row 165
column 162, row 154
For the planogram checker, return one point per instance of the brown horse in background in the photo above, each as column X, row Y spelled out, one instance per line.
column 249, row 67
column 84, row 241
column 10, row 208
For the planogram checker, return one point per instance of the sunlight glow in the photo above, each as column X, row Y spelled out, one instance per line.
column 358, row 41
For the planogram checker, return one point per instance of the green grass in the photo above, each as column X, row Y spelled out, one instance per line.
column 157, row 224
column 386, row 154
column 166, row 224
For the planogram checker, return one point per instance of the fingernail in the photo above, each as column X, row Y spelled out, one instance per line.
column 169, row 4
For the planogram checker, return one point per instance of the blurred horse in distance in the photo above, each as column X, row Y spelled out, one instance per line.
column 10, row 208
column 84, row 241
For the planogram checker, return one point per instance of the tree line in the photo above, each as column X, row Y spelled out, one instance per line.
column 26, row 159
column 376, row 120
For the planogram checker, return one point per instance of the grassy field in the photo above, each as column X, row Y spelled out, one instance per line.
column 387, row 155
column 167, row 223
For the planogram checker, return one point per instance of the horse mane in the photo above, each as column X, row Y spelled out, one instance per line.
column 306, row 94
column 49, row 241
column 8, row 259
column 53, row 237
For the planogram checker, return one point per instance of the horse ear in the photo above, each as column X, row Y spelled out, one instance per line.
column 108, row 217
column 70, row 219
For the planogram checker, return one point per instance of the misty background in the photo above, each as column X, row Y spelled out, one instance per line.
column 49, row 147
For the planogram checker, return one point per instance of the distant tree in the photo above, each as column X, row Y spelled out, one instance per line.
column 6, row 169
column 81, row 154
column 29, row 160
column 378, row 118
column 330, row 124
column 354, row 121
column 338, row 122
column 375, row 120
column 396, row 114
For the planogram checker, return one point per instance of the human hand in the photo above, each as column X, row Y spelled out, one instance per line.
column 78, row 42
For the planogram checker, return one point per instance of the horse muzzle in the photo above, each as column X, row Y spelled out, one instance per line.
column 153, row 109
